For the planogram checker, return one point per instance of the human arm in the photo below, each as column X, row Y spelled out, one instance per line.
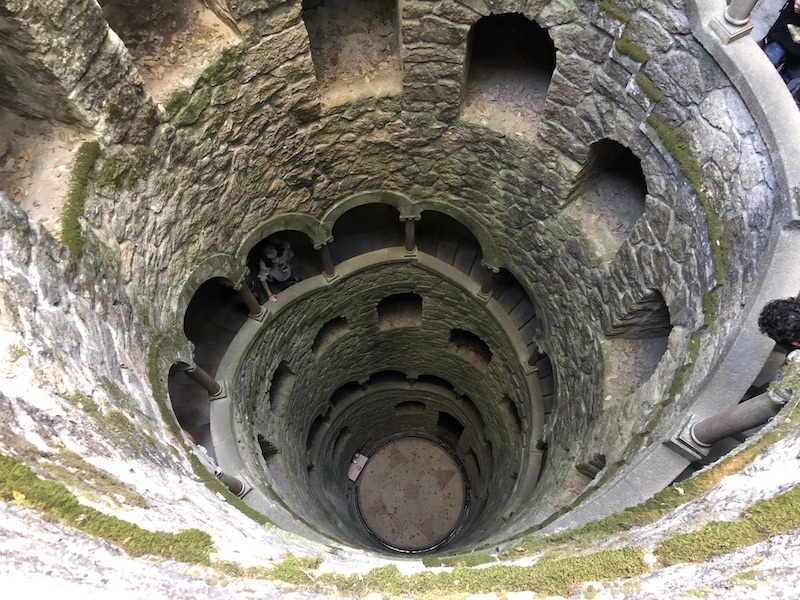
column 272, row 297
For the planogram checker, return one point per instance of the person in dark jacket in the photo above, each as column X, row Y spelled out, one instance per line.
column 783, row 49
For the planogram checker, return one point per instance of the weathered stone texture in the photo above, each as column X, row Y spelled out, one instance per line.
column 250, row 146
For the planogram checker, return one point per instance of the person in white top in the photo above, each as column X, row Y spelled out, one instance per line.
column 275, row 269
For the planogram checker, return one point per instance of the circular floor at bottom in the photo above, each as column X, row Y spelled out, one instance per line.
column 411, row 494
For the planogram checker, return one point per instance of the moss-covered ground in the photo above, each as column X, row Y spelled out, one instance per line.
column 54, row 501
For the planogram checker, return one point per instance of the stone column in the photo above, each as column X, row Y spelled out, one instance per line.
column 204, row 380
column 257, row 311
column 750, row 413
column 237, row 487
column 327, row 262
column 487, row 280
column 534, row 358
column 411, row 236
column 735, row 22
column 738, row 12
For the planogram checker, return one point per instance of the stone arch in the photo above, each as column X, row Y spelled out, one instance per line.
column 216, row 265
column 491, row 256
column 401, row 202
column 327, row 20
column 302, row 222
column 512, row 54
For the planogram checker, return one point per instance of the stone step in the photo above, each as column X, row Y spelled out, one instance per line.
column 523, row 313
column 446, row 251
column 509, row 297
column 466, row 255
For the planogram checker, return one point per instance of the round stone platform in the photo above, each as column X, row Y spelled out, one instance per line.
column 411, row 494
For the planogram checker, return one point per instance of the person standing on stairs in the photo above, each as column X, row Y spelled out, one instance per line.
column 275, row 269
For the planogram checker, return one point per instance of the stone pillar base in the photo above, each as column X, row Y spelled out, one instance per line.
column 728, row 32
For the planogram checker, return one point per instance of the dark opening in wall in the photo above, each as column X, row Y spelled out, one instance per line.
column 366, row 228
column 547, row 384
column 329, row 333
column 268, row 449
column 344, row 391
column 515, row 300
column 646, row 316
column 609, row 195
column 304, row 261
column 447, row 239
column 281, row 389
column 470, row 347
column 409, row 407
column 449, row 429
column 400, row 310
column 472, row 409
column 638, row 338
column 434, row 380
column 191, row 406
column 388, row 377
column 510, row 61
column 355, row 46
column 170, row 40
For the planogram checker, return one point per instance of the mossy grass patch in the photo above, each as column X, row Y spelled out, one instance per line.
column 677, row 144
column 71, row 234
column 54, row 501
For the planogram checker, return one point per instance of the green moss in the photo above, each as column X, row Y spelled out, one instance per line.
column 631, row 49
column 463, row 560
column 295, row 569
column 114, row 111
column 615, row 11
column 194, row 107
column 714, row 538
column 113, row 172
column 71, row 233
column 674, row 496
column 557, row 577
column 176, row 101
column 649, row 88
column 763, row 519
column 93, row 483
column 51, row 498
column 698, row 593
column 677, row 144
column 143, row 158
column 747, row 579
column 85, row 403
column 224, row 68
column 163, row 344
column 15, row 352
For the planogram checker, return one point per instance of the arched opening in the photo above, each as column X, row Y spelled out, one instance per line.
column 366, row 228
column 170, row 41
column 282, row 385
column 609, row 195
column 444, row 237
column 400, row 310
column 470, row 347
column 510, row 61
column 294, row 259
column 214, row 316
column 355, row 46
column 191, row 406
column 328, row 334
column 638, row 338
column 509, row 293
